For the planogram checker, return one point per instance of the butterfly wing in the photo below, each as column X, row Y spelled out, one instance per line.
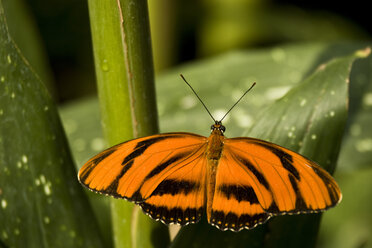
column 164, row 174
column 180, row 197
column 257, row 179
column 235, row 203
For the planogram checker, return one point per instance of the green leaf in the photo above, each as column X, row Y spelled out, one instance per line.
column 23, row 29
column 41, row 202
column 350, row 224
column 221, row 80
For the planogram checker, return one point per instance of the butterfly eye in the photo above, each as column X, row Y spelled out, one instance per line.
column 212, row 127
column 222, row 128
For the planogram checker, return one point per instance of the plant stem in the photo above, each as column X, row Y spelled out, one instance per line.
column 125, row 78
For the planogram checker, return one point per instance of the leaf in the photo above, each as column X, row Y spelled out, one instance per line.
column 22, row 27
column 41, row 202
column 350, row 224
column 221, row 80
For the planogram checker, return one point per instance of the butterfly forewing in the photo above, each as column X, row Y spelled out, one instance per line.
column 134, row 169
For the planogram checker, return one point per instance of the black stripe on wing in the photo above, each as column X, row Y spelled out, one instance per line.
column 285, row 159
column 174, row 187
column 250, row 167
column 239, row 193
column 332, row 190
column 234, row 222
column 173, row 159
column 173, row 215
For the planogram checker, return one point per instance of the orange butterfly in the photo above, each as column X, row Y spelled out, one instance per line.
column 240, row 182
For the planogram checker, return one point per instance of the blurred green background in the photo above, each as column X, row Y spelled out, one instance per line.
column 55, row 38
column 181, row 31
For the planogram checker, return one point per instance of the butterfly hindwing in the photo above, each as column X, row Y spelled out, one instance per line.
column 180, row 197
column 236, row 203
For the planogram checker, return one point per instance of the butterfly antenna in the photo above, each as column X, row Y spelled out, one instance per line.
column 238, row 101
column 198, row 97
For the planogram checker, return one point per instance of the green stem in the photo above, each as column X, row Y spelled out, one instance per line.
column 125, row 78
column 163, row 27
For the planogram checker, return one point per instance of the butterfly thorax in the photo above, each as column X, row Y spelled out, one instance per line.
column 215, row 142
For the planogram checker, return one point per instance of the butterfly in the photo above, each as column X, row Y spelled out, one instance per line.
column 239, row 182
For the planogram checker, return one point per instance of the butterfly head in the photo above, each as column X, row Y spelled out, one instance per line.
column 218, row 126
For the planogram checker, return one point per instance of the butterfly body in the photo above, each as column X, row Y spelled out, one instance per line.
column 213, row 154
column 238, row 182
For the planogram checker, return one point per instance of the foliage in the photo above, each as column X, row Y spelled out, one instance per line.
column 311, row 97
